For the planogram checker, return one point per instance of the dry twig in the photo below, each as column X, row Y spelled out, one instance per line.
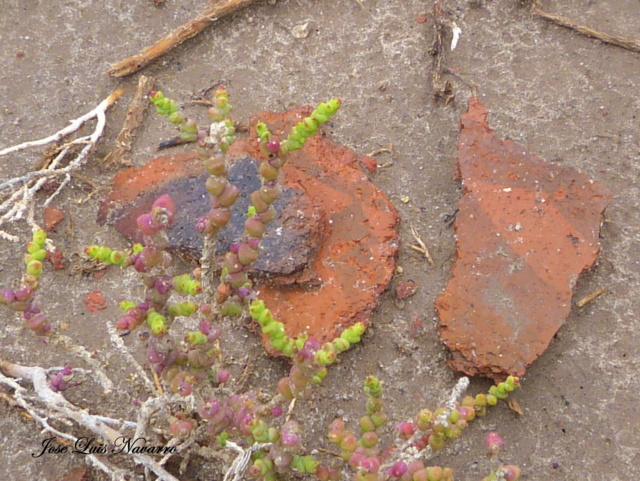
column 241, row 463
column 587, row 299
column 210, row 14
column 381, row 150
column 22, row 200
column 132, row 121
column 441, row 89
column 123, row 352
column 421, row 247
column 622, row 42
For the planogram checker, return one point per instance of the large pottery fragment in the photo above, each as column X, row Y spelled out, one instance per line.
column 526, row 229
column 328, row 255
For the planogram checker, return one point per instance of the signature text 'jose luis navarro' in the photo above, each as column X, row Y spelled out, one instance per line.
column 90, row 446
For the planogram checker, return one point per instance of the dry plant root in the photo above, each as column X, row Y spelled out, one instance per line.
column 22, row 201
column 210, row 14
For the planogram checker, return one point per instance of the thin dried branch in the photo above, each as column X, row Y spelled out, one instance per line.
column 437, row 48
column 619, row 41
column 210, row 14
column 240, row 464
column 587, row 299
column 122, row 350
column 421, row 247
column 22, row 201
column 381, row 150
column 442, row 89
column 133, row 119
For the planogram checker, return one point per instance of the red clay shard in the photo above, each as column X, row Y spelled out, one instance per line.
column 405, row 289
column 95, row 301
column 526, row 229
column 336, row 234
column 52, row 217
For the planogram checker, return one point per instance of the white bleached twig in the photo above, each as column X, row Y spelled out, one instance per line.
column 23, row 199
column 240, row 464
column 407, row 452
column 73, row 127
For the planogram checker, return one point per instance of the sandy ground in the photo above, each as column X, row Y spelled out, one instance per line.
column 571, row 99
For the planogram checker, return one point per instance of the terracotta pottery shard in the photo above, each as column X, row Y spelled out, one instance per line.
column 525, row 231
column 326, row 257
column 95, row 301
column 52, row 217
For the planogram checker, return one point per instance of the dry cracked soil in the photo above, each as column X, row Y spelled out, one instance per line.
column 568, row 98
